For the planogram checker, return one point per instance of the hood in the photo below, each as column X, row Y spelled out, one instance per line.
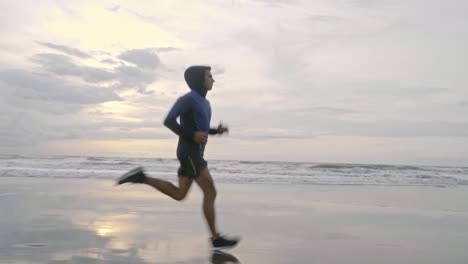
column 194, row 77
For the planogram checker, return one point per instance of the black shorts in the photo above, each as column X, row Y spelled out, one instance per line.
column 191, row 165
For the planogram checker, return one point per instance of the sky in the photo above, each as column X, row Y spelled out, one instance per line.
column 338, row 81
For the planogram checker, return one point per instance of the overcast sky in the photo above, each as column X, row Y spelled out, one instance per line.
column 352, row 81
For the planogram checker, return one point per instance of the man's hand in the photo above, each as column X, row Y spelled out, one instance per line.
column 200, row 137
column 222, row 129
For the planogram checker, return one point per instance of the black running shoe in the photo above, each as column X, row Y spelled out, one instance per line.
column 222, row 242
column 134, row 176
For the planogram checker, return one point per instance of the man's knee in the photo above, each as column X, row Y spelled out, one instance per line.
column 180, row 196
column 211, row 193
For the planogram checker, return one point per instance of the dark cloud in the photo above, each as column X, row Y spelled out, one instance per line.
column 38, row 107
column 123, row 76
column 43, row 87
column 145, row 58
column 66, row 50
column 134, row 77
column 26, row 122
column 62, row 65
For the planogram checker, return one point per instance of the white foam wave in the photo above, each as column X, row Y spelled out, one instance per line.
column 236, row 171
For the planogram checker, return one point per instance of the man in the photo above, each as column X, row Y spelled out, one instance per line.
column 194, row 111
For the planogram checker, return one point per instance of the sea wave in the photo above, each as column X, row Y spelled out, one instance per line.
column 236, row 171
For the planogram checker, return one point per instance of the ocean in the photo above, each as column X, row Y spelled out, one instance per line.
column 232, row 171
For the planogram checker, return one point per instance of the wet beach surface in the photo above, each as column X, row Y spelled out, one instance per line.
column 52, row 220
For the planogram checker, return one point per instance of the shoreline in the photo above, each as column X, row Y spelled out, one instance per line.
column 221, row 181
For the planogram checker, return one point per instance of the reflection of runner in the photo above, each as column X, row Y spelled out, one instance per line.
column 220, row 257
column 194, row 111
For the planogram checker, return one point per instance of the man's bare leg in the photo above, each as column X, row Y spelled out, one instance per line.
column 176, row 193
column 205, row 181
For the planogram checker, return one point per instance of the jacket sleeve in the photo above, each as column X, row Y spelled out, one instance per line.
column 213, row 131
column 182, row 105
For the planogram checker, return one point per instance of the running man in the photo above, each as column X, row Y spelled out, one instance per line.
column 194, row 111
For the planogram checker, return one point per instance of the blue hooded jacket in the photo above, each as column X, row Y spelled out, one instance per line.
column 194, row 111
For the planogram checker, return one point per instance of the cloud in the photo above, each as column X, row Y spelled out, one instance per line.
column 166, row 49
column 274, row 133
column 66, row 50
column 368, row 3
column 329, row 110
column 38, row 107
column 157, row 20
column 277, row 3
column 394, row 128
column 62, row 65
column 392, row 89
column 218, row 70
column 110, row 61
column 129, row 76
column 326, row 18
column 114, row 8
column 145, row 58
column 43, row 87
column 122, row 76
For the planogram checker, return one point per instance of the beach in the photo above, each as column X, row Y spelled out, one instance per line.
column 60, row 220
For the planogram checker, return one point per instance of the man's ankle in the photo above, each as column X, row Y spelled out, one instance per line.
column 145, row 179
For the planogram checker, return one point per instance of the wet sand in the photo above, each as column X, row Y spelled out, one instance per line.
column 91, row 221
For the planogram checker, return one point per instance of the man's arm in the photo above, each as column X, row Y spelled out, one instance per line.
column 181, row 106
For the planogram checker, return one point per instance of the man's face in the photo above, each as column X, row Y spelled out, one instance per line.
column 208, row 80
